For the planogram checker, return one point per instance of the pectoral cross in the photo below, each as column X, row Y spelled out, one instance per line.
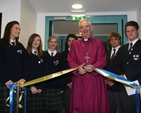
column 87, row 57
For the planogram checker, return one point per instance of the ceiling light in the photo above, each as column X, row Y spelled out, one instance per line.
column 77, row 6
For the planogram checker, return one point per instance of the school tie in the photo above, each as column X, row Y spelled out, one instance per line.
column 52, row 54
column 113, row 55
column 35, row 53
column 13, row 43
column 130, row 47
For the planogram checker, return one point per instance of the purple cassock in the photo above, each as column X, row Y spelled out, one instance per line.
column 89, row 92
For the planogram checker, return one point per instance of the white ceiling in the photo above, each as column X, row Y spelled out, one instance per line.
column 64, row 6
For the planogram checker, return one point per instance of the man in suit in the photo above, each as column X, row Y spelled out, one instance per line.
column 114, row 40
column 129, row 66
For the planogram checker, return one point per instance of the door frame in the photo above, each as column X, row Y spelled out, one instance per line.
column 120, row 20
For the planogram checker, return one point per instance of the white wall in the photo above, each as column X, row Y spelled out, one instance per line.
column 139, row 19
column 41, row 19
column 10, row 10
column 28, row 21
column 21, row 11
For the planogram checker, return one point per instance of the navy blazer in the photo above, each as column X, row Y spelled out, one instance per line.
column 111, row 66
column 130, row 64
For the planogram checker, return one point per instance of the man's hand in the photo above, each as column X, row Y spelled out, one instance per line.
column 110, row 82
column 88, row 68
column 81, row 71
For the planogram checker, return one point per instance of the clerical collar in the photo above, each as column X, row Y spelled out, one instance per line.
column 134, row 41
column 34, row 51
column 50, row 52
column 86, row 39
column 68, row 49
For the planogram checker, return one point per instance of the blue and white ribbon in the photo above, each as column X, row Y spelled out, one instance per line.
column 122, row 80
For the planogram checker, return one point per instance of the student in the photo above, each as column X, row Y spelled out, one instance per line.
column 114, row 40
column 35, row 92
column 129, row 66
column 89, row 93
column 55, row 87
column 68, row 77
column 13, row 62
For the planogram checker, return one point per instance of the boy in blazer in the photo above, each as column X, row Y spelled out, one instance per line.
column 114, row 40
column 129, row 66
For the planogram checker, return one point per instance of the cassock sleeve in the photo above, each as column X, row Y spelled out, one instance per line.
column 101, row 55
column 71, row 59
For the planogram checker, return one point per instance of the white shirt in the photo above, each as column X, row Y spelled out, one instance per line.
column 116, row 48
column 54, row 52
column 11, row 40
column 33, row 51
column 133, row 42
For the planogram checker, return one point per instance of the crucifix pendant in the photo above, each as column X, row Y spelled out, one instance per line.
column 87, row 57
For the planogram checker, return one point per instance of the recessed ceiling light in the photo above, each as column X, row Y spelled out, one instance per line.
column 77, row 6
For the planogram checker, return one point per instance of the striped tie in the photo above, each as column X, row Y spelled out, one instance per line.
column 52, row 54
column 131, row 47
column 113, row 55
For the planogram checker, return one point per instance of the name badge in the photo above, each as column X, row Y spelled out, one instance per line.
column 135, row 57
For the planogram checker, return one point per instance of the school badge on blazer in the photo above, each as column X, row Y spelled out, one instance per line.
column 19, row 51
column 56, row 62
column 40, row 61
column 135, row 57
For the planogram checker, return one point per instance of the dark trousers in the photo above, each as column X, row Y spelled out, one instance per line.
column 114, row 102
column 67, row 99
column 128, row 103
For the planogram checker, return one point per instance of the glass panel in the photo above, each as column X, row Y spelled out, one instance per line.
column 66, row 27
column 104, row 29
column 63, row 27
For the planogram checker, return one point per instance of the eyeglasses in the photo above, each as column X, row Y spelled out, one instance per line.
column 85, row 26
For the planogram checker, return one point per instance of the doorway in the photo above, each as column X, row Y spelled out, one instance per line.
column 103, row 25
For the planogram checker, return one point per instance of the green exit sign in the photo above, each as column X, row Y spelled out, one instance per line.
column 78, row 17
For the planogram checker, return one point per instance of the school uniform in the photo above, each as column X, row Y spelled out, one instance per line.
column 13, row 66
column 36, row 102
column 54, row 100
column 113, row 91
column 129, row 64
